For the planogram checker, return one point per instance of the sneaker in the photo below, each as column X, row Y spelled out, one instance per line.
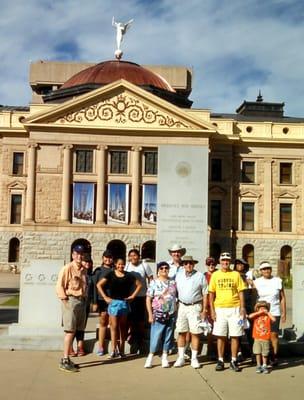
column 220, row 366
column 265, row 370
column 180, row 362
column 100, row 351
column 112, row 355
column 239, row 358
column 121, row 355
column 234, row 366
column 148, row 363
column 67, row 366
column 195, row 364
column 274, row 362
column 259, row 369
column 165, row 363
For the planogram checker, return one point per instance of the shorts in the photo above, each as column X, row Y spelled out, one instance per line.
column 275, row 326
column 261, row 347
column 188, row 318
column 74, row 314
column 102, row 306
column 138, row 309
column 227, row 322
column 118, row 308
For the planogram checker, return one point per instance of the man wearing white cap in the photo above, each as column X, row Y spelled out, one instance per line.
column 176, row 252
column 227, row 309
column 192, row 292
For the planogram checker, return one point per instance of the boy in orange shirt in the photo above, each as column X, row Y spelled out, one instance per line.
column 261, row 334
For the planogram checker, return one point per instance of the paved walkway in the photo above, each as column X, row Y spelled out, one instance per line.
column 35, row 375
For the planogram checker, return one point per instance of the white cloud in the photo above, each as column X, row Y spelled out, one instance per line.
column 234, row 47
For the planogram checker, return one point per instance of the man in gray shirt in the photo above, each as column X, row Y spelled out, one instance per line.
column 192, row 291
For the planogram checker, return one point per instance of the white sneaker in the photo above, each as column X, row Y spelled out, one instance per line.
column 195, row 363
column 148, row 363
column 180, row 362
column 165, row 363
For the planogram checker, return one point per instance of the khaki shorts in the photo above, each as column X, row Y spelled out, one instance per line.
column 261, row 347
column 188, row 318
column 73, row 314
column 227, row 322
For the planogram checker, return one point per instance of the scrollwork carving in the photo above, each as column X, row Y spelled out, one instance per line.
column 123, row 108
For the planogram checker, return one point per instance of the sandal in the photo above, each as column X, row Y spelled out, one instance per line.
column 81, row 352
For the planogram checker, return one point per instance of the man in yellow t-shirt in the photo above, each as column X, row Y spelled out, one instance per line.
column 227, row 309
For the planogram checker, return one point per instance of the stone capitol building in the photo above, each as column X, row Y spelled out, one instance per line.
column 80, row 165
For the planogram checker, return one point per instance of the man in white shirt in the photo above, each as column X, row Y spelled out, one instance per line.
column 175, row 263
column 192, row 291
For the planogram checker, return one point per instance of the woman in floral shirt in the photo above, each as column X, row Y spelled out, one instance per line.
column 161, row 306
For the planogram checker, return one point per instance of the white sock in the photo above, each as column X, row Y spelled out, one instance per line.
column 181, row 352
column 221, row 359
column 150, row 357
column 164, row 356
column 233, row 359
column 194, row 354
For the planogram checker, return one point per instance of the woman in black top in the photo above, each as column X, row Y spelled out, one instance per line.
column 120, row 291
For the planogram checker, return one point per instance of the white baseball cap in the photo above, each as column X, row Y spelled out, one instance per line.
column 264, row 265
column 225, row 256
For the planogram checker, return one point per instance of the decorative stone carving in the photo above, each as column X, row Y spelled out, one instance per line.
column 121, row 109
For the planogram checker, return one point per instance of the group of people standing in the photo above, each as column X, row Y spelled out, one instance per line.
column 179, row 299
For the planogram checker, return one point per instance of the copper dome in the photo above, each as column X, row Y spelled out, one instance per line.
column 111, row 71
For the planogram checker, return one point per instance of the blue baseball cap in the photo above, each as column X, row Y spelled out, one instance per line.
column 79, row 248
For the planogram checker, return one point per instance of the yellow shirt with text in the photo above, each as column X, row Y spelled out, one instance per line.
column 226, row 286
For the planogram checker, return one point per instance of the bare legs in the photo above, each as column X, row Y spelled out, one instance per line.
column 118, row 327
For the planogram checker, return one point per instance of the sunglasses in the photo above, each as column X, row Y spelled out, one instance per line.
column 265, row 269
column 163, row 269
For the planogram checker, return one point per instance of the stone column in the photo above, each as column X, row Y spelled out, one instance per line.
column 66, row 184
column 267, row 217
column 30, row 192
column 136, row 153
column 101, row 181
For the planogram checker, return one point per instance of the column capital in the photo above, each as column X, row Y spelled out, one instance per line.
column 101, row 147
column 136, row 148
column 32, row 145
column 67, row 146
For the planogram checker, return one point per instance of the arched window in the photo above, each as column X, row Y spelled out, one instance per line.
column 14, row 250
column 286, row 257
column 248, row 254
column 215, row 251
column 85, row 243
column 148, row 250
column 117, row 248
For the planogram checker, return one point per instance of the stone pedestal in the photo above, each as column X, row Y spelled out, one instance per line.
column 39, row 323
column 182, row 199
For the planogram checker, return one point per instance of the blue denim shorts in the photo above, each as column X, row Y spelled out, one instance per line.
column 118, row 308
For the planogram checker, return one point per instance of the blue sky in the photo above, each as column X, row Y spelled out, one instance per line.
column 235, row 47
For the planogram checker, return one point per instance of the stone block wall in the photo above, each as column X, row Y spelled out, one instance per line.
column 48, row 198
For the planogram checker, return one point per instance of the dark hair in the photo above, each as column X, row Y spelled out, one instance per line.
column 107, row 253
column 134, row 251
column 87, row 258
column 162, row 264
column 243, row 262
column 210, row 260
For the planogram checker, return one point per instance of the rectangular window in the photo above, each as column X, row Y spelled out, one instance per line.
column 150, row 162
column 216, row 169
column 247, row 216
column 119, row 162
column 248, row 173
column 16, row 203
column 18, row 159
column 84, row 160
column 215, row 214
column 286, row 173
column 285, row 217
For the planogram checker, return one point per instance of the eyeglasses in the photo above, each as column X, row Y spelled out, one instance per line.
column 163, row 269
column 265, row 269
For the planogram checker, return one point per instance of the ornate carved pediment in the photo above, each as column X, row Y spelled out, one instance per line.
column 250, row 194
column 123, row 110
column 288, row 195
